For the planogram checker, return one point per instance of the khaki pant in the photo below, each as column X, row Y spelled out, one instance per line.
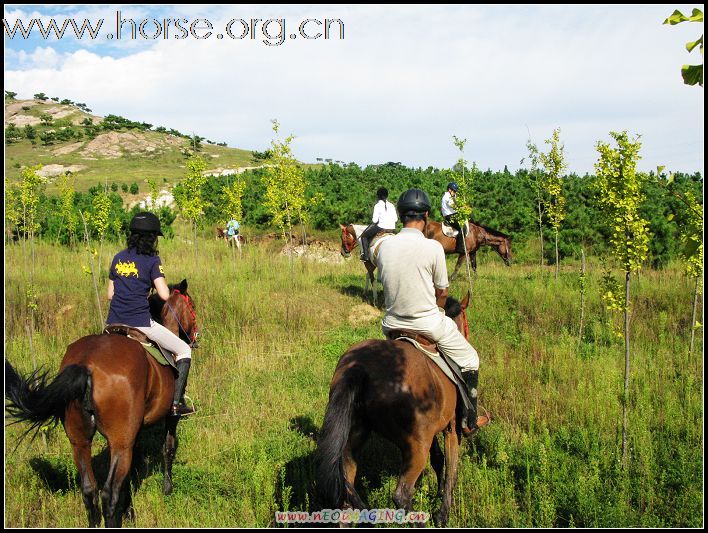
column 168, row 340
column 442, row 330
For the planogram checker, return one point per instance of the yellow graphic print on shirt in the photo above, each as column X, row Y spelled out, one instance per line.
column 162, row 270
column 126, row 269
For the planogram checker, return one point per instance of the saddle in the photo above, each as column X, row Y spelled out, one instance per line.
column 160, row 354
column 430, row 348
column 449, row 231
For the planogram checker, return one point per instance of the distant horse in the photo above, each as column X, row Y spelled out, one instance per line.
column 107, row 383
column 391, row 388
column 477, row 236
column 351, row 235
column 237, row 239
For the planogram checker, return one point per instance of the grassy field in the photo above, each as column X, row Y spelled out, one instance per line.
column 260, row 382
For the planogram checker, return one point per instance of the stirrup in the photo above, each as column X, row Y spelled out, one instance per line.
column 481, row 421
column 182, row 409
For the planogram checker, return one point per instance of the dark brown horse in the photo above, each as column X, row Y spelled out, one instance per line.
column 478, row 236
column 391, row 388
column 107, row 383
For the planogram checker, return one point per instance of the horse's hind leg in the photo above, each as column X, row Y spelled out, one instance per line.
column 357, row 438
column 460, row 259
column 452, row 448
column 415, row 457
column 437, row 461
column 121, row 459
column 80, row 428
column 169, row 449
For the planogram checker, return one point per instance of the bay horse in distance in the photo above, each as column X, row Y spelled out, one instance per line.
column 237, row 239
column 107, row 383
column 477, row 236
column 395, row 390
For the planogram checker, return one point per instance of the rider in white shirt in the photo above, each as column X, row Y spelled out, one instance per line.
column 447, row 209
column 383, row 220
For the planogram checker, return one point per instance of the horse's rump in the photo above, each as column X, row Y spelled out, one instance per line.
column 400, row 382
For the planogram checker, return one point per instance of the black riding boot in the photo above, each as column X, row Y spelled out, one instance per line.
column 364, row 256
column 474, row 422
column 460, row 245
column 179, row 408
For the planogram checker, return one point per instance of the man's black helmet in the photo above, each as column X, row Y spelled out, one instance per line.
column 452, row 185
column 413, row 202
column 145, row 223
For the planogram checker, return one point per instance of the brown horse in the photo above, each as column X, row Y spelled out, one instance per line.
column 237, row 239
column 391, row 388
column 107, row 383
column 478, row 236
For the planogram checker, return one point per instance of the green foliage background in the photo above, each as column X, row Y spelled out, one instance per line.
column 502, row 200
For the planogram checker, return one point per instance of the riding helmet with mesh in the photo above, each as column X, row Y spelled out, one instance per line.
column 413, row 202
column 145, row 223
column 452, row 185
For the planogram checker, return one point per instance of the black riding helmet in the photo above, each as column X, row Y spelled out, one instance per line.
column 413, row 202
column 382, row 193
column 146, row 223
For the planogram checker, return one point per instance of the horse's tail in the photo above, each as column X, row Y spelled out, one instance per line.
column 34, row 400
column 331, row 482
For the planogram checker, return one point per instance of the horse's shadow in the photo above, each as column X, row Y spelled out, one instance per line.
column 62, row 476
column 296, row 488
column 350, row 285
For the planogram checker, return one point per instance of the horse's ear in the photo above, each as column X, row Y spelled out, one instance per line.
column 465, row 301
column 343, row 227
column 182, row 286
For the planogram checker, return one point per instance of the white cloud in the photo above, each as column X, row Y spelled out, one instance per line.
column 402, row 82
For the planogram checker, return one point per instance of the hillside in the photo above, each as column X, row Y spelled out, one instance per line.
column 68, row 138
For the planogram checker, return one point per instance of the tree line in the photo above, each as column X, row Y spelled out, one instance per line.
column 337, row 194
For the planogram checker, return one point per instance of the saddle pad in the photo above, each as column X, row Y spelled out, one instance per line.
column 445, row 365
column 449, row 231
column 375, row 243
column 161, row 355
column 158, row 356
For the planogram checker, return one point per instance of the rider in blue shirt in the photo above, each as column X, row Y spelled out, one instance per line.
column 134, row 271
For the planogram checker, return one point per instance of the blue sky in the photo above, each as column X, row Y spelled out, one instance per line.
column 399, row 84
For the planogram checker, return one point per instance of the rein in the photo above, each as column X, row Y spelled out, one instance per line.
column 193, row 337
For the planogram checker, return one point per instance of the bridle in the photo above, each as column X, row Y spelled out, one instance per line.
column 464, row 324
column 348, row 244
column 195, row 329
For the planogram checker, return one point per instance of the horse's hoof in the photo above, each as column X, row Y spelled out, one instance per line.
column 440, row 519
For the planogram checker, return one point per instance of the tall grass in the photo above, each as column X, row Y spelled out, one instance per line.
column 260, row 382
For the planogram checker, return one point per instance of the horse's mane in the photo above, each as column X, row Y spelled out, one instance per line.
column 358, row 229
column 491, row 231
